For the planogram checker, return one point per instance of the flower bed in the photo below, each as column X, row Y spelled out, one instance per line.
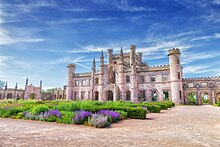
column 92, row 113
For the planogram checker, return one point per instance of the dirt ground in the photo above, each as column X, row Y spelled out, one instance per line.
column 179, row 126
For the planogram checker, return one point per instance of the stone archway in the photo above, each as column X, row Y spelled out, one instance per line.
column 9, row 96
column 109, row 95
column 96, row 95
column 206, row 98
column 192, row 98
column 217, row 97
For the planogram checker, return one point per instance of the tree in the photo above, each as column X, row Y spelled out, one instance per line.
column 2, row 84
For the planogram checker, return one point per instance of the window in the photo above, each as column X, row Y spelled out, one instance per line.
column 83, row 82
column 190, row 85
column 77, row 83
column 82, row 95
column 96, row 80
column 204, row 84
column 180, row 94
column 178, row 75
column 142, row 79
column 127, row 79
column 164, row 78
column 153, row 78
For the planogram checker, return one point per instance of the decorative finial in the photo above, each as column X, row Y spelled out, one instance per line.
column 6, row 85
column 16, row 85
column 102, row 56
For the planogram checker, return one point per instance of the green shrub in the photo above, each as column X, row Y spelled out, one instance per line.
column 123, row 114
column 66, row 117
column 39, row 109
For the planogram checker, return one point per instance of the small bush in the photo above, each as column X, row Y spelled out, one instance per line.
column 98, row 121
column 123, row 114
column 66, row 117
column 39, row 109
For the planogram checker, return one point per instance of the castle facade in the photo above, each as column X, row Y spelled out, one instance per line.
column 126, row 78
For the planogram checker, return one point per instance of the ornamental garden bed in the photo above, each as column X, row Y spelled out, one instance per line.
column 91, row 113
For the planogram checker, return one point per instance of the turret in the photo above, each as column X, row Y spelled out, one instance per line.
column 16, row 86
column 121, row 55
column 102, row 59
column 26, row 84
column 175, row 75
column 132, row 54
column 94, row 65
column 40, row 85
column 110, row 56
column 71, row 72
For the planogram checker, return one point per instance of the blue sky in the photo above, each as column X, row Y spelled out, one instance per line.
column 39, row 38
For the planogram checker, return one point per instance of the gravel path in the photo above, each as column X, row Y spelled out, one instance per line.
column 179, row 126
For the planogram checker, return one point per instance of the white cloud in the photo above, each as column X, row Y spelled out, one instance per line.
column 124, row 6
column 215, row 36
column 5, row 59
column 198, row 69
column 216, row 2
column 6, row 38
column 78, row 20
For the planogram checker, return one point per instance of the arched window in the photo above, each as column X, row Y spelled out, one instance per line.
column 127, row 79
column 96, row 95
column 128, row 95
column 96, row 80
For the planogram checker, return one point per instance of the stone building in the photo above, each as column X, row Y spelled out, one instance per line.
column 30, row 91
column 125, row 77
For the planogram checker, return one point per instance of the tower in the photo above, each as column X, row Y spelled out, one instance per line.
column 175, row 75
column 134, row 90
column 101, row 75
column 92, row 85
column 70, row 80
column 110, row 69
column 121, row 75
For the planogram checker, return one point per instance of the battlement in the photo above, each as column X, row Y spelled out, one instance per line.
column 173, row 51
column 159, row 67
column 203, row 78
column 110, row 50
column 71, row 65
column 83, row 74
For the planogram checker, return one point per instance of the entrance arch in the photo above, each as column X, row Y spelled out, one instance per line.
column 218, row 97
column 96, row 95
column 128, row 96
column 206, row 99
column 9, row 96
column 109, row 95
column 192, row 98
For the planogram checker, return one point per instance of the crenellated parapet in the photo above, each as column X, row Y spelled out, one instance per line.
column 83, row 74
column 173, row 51
column 160, row 67
column 203, row 78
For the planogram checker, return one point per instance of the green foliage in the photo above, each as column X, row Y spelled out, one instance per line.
column 192, row 99
column 218, row 104
column 123, row 114
column 39, row 109
column 2, row 83
column 66, row 117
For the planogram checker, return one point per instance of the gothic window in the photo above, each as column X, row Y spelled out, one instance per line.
column 180, row 94
column 83, row 82
column 153, row 78
column 127, row 79
column 142, row 79
column 96, row 80
column 77, row 83
column 128, row 96
column 164, row 78
column 178, row 75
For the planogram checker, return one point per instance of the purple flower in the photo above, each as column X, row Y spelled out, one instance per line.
column 115, row 116
column 25, row 113
column 81, row 117
column 53, row 113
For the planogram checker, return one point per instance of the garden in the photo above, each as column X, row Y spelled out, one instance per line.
column 90, row 113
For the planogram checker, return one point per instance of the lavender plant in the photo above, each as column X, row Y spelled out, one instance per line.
column 98, row 121
column 115, row 116
column 81, row 117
